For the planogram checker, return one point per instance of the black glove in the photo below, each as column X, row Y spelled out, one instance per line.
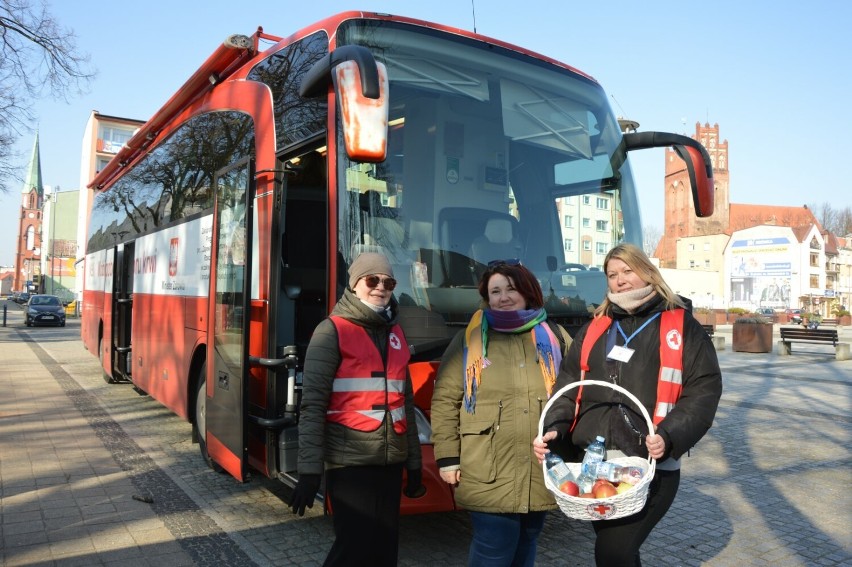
column 414, row 487
column 305, row 493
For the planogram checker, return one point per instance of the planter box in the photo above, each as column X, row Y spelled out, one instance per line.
column 752, row 337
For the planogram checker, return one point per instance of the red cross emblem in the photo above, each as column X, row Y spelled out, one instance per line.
column 601, row 511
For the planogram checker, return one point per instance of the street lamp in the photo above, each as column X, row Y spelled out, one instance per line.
column 53, row 240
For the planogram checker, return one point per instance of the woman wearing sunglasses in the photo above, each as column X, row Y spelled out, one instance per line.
column 357, row 419
column 493, row 382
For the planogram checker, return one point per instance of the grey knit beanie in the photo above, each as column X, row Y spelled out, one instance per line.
column 367, row 264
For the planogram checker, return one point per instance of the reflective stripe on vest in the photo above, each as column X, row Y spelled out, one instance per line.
column 363, row 391
column 670, row 379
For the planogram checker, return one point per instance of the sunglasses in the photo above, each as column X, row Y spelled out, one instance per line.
column 374, row 281
column 507, row 262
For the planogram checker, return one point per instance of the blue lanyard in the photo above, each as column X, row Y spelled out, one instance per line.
column 636, row 332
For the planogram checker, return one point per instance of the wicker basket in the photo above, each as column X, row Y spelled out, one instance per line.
column 618, row 506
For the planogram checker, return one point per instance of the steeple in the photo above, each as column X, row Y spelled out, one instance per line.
column 33, row 179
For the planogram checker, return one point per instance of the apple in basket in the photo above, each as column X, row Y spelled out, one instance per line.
column 570, row 488
column 604, row 489
column 623, row 487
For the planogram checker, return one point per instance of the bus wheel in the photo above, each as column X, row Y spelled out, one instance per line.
column 200, row 421
column 107, row 378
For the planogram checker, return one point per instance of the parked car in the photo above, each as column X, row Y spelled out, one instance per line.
column 766, row 312
column 21, row 297
column 44, row 310
column 794, row 316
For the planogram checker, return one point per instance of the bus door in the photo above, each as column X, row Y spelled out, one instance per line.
column 230, row 290
column 122, row 312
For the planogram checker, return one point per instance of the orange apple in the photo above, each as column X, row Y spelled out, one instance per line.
column 570, row 488
column 604, row 489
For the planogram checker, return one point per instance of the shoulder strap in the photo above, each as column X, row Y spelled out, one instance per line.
column 596, row 329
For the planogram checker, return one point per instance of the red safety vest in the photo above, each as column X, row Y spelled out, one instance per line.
column 363, row 389
column 670, row 380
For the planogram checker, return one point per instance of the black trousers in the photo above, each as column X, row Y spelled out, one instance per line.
column 618, row 541
column 365, row 510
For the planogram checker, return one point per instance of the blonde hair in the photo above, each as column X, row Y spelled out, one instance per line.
column 634, row 257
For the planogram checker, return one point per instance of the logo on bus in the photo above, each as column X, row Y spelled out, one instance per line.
column 173, row 257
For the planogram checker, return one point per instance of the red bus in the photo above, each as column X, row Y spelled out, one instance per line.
column 220, row 235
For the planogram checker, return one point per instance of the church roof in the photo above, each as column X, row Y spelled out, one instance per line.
column 745, row 216
column 33, row 179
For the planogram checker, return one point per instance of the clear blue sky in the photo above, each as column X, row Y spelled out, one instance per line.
column 775, row 76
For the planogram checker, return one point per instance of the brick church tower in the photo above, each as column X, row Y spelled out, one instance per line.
column 680, row 219
column 28, row 253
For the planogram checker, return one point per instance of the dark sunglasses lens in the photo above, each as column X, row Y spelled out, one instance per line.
column 373, row 281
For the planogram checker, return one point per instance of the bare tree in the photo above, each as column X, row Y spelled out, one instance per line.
column 836, row 221
column 651, row 236
column 38, row 57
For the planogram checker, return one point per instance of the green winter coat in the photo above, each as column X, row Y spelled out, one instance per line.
column 499, row 470
column 322, row 443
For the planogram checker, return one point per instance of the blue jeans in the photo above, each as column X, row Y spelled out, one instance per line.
column 503, row 540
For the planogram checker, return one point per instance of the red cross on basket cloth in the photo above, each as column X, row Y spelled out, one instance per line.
column 601, row 511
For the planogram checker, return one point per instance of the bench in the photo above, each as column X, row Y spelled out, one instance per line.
column 790, row 335
column 832, row 322
column 718, row 342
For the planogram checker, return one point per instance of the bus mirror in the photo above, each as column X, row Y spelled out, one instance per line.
column 698, row 164
column 361, row 86
column 364, row 119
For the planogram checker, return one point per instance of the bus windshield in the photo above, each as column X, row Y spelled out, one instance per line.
column 492, row 154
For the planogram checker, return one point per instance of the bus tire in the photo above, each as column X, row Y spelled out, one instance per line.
column 107, row 378
column 199, row 422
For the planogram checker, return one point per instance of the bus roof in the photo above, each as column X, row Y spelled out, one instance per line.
column 232, row 55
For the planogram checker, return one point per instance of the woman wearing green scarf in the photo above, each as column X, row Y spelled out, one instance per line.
column 493, row 382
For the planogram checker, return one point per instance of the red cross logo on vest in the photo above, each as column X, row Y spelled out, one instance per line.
column 674, row 339
column 393, row 340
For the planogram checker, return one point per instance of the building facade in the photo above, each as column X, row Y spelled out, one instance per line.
column 59, row 235
column 103, row 137
column 28, row 250
column 759, row 255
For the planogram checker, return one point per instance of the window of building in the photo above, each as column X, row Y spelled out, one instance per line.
column 814, row 281
column 707, row 264
column 587, row 223
column 602, row 203
column 569, row 245
column 569, row 221
column 601, row 247
column 690, row 247
column 814, row 260
column 707, row 247
column 601, row 225
column 102, row 163
column 587, row 245
column 586, row 199
column 692, row 263
column 114, row 137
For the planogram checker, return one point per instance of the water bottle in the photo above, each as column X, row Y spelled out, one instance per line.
column 595, row 453
column 609, row 471
column 557, row 470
